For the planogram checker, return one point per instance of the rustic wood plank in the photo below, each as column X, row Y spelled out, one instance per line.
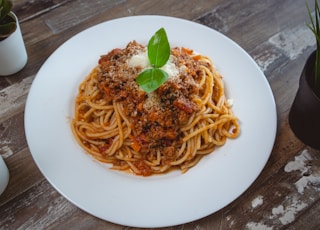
column 278, row 202
column 284, row 196
column 3, row 83
column 37, row 208
column 12, row 136
column 306, row 220
column 167, row 7
column 23, row 174
column 249, row 23
column 75, row 15
column 26, row 9
column 13, row 98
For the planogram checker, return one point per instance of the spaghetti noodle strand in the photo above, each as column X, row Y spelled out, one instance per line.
column 173, row 127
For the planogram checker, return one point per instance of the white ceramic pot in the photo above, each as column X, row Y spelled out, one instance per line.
column 13, row 54
column 4, row 175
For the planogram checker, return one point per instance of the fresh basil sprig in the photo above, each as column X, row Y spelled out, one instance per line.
column 158, row 55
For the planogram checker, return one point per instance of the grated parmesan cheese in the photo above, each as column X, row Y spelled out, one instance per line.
column 171, row 69
column 152, row 101
column 141, row 60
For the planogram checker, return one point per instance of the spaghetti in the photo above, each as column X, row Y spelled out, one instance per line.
column 186, row 118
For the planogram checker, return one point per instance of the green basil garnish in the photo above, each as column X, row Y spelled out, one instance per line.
column 158, row 55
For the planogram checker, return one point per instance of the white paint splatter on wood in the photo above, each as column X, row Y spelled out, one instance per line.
column 309, row 178
column 293, row 41
column 266, row 58
column 257, row 226
column 5, row 151
column 287, row 214
column 299, row 163
column 257, row 201
column 306, row 170
column 308, row 182
column 230, row 221
column 13, row 98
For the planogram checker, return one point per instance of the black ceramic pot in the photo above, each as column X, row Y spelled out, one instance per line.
column 304, row 116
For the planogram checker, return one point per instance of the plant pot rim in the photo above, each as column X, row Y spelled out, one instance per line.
column 13, row 53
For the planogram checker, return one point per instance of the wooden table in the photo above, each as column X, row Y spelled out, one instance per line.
column 286, row 195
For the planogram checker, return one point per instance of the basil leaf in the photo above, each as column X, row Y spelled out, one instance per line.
column 151, row 79
column 158, row 55
column 159, row 49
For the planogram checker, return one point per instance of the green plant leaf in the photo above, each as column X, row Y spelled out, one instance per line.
column 151, row 79
column 7, row 29
column 158, row 55
column 5, row 8
column 158, row 49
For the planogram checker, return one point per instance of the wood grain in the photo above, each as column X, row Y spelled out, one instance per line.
column 286, row 195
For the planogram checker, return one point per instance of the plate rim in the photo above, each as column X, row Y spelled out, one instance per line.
column 82, row 206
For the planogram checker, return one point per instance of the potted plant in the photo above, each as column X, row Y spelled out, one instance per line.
column 304, row 116
column 13, row 55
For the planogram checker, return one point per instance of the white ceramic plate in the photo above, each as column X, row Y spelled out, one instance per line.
column 156, row 201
